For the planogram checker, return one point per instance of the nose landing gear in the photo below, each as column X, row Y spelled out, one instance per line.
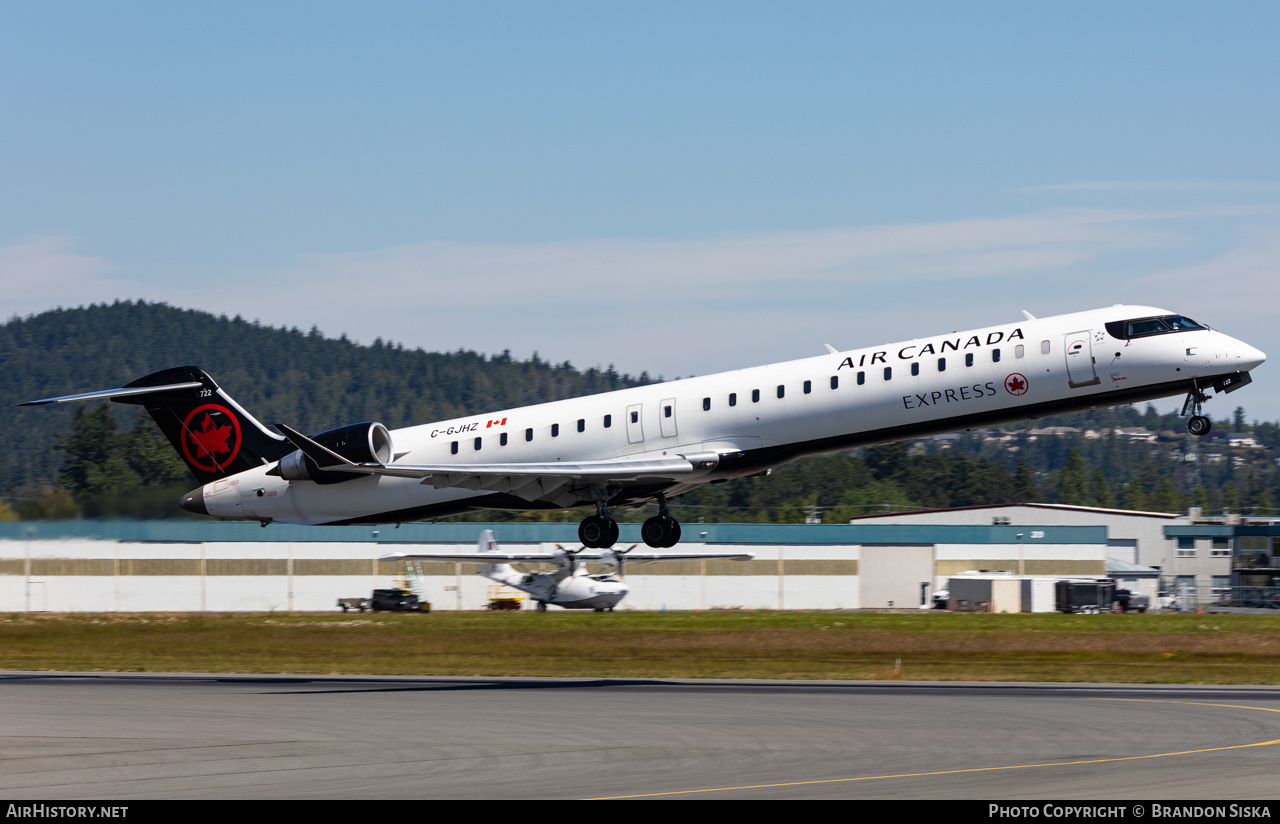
column 1198, row 425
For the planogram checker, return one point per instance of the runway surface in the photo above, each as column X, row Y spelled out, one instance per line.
column 109, row 736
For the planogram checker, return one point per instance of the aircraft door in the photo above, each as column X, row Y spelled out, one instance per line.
column 667, row 417
column 1080, row 366
column 635, row 427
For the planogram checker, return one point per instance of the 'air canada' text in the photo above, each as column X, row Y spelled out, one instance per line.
column 914, row 350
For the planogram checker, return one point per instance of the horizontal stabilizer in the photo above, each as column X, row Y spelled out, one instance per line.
column 116, row 393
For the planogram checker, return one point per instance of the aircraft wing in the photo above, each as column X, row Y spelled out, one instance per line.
column 471, row 557
column 528, row 480
column 649, row 557
column 549, row 557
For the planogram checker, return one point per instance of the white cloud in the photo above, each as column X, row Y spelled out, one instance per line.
column 40, row 272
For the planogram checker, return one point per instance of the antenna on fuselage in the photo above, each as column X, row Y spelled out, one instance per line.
column 1028, row 315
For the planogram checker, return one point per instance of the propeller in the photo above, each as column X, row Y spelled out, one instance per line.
column 566, row 557
column 617, row 557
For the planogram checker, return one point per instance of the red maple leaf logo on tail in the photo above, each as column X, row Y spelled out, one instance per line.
column 210, row 438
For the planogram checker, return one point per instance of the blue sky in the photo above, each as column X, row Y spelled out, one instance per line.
column 679, row 188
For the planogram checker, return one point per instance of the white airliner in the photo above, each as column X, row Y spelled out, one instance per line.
column 655, row 442
column 570, row 586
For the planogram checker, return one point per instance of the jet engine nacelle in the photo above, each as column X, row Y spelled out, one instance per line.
column 367, row 442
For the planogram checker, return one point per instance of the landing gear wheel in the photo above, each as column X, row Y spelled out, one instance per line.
column 598, row 532
column 654, row 532
column 660, row 531
column 592, row 531
column 1199, row 426
column 542, row 606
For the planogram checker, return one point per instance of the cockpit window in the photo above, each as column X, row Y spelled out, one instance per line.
column 1144, row 327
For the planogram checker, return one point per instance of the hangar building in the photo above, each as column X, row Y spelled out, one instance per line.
column 137, row 566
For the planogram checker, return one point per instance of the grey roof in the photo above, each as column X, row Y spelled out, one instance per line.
column 1115, row 566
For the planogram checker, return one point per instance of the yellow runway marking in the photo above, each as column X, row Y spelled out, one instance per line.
column 987, row 769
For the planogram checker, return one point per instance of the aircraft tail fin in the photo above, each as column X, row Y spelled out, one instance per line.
column 214, row 435
column 488, row 543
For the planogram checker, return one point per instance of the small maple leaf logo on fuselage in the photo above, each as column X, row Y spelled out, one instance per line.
column 1016, row 384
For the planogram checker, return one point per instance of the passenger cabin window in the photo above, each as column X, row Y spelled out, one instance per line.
column 733, row 398
column 666, row 411
column 968, row 359
column 755, row 396
column 635, row 417
column 835, row 381
column 608, row 421
column 453, row 447
column 502, row 439
column 995, row 355
column 1019, row 351
column 528, row 434
column 1145, row 327
column 782, row 390
column 808, row 387
column 555, row 430
column 942, row 364
column 477, row 444
column 888, row 373
column 862, row 378
column 915, row 368
column 1044, row 347
column 582, row 424
column 706, row 404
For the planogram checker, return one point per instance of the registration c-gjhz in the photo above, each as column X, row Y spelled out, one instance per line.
column 658, row 441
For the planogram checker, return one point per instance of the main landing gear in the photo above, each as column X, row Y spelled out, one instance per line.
column 1198, row 425
column 661, row 531
column 598, row 531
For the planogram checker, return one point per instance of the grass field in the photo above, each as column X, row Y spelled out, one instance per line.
column 1209, row 649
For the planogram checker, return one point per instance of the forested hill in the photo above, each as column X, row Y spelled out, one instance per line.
column 303, row 378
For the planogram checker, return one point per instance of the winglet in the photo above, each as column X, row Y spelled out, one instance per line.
column 324, row 457
column 1028, row 315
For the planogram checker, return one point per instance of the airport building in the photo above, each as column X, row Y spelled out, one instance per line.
column 122, row 566
column 876, row 562
column 1204, row 555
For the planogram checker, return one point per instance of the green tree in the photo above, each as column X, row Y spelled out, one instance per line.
column 88, row 450
column 7, row 513
column 1165, row 498
column 1264, row 505
column 1024, row 484
column 1073, row 486
column 1134, row 497
column 1101, row 491
column 1230, row 498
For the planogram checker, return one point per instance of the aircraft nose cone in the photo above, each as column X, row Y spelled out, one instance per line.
column 193, row 501
column 1251, row 357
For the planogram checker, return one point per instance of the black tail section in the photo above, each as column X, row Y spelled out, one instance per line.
column 213, row 434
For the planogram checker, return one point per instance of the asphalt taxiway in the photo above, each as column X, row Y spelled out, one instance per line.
column 126, row 736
